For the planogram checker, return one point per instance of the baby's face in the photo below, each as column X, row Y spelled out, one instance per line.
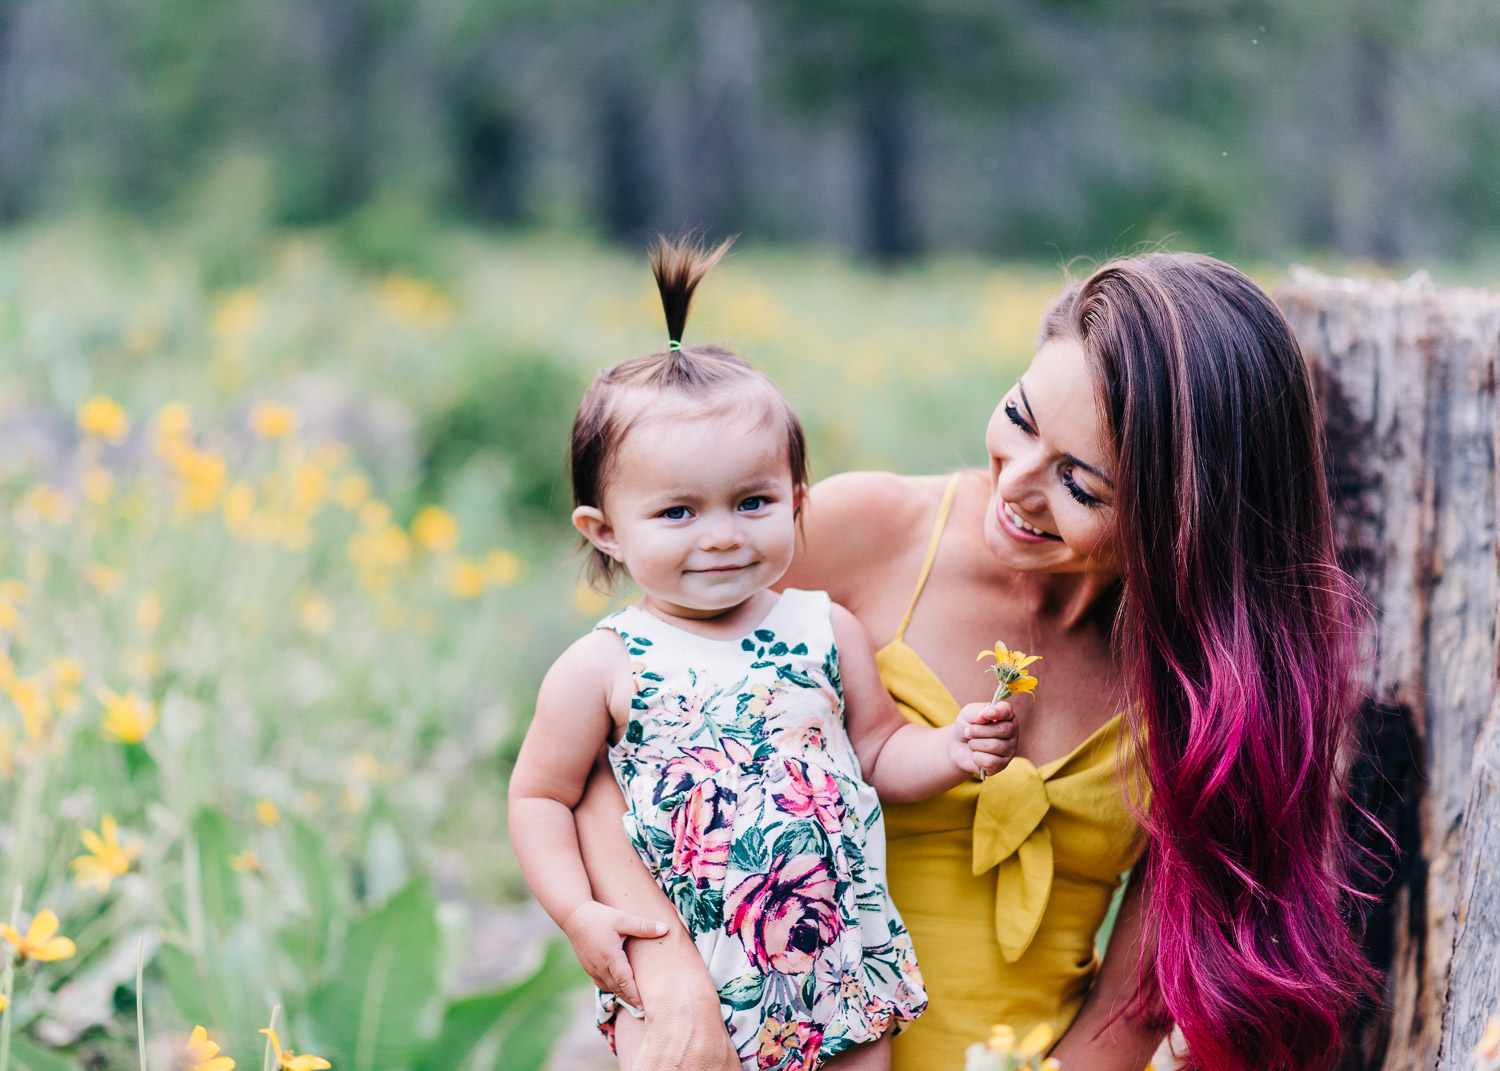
column 701, row 510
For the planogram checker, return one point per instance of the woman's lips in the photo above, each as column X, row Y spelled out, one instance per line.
column 1018, row 528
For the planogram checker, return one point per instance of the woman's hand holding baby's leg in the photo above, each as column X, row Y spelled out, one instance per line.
column 984, row 737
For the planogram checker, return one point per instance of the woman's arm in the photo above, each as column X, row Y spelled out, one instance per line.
column 1099, row 1039
column 684, row 1027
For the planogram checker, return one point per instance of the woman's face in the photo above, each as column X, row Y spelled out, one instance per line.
column 1051, row 470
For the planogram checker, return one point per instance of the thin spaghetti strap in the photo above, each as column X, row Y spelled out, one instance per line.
column 932, row 548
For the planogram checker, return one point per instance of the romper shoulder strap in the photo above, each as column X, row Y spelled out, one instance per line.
column 949, row 493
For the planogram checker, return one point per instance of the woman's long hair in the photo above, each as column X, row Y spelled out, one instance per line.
column 1238, row 641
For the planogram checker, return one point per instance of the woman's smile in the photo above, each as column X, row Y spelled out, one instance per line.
column 1017, row 527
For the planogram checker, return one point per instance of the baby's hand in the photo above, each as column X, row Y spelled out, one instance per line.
column 598, row 933
column 984, row 738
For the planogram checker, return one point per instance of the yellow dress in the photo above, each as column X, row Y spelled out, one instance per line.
column 1003, row 884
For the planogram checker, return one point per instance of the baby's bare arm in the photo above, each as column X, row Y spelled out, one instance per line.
column 572, row 723
column 901, row 760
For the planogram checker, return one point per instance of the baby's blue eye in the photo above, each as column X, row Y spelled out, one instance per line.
column 675, row 513
column 754, row 502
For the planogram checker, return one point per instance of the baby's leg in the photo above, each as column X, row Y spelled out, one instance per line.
column 873, row 1056
column 629, row 1033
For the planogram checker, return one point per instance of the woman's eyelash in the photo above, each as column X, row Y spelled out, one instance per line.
column 1016, row 418
column 1082, row 497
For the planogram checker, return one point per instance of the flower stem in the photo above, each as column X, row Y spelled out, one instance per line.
column 7, row 985
column 140, row 1001
column 269, row 1064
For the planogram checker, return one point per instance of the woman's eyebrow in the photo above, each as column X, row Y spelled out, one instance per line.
column 1084, row 465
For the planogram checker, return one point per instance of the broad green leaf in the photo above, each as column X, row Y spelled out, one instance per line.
column 219, row 883
column 370, row 1007
column 27, row 1055
column 306, row 939
column 515, row 1013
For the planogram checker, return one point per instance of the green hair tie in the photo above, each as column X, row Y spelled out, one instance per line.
column 674, row 346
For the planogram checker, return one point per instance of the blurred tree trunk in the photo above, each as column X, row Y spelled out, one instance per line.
column 728, row 54
column 885, row 158
column 625, row 179
column 352, row 40
column 1409, row 393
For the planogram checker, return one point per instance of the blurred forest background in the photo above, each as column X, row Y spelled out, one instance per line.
column 889, row 128
column 297, row 299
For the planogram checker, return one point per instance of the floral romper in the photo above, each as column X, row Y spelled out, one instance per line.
column 744, row 798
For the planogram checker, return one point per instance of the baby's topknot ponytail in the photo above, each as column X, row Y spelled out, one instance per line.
column 679, row 265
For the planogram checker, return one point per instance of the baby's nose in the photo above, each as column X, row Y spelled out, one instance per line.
column 724, row 535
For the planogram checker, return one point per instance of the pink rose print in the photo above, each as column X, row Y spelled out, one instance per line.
column 697, row 764
column 700, row 834
column 812, row 793
column 779, row 1041
column 784, row 917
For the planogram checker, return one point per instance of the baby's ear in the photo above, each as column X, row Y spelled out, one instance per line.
column 799, row 498
column 594, row 526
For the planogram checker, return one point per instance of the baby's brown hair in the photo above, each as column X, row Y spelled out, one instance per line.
column 714, row 377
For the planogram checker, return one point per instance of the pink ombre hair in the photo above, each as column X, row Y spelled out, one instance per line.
column 1236, row 630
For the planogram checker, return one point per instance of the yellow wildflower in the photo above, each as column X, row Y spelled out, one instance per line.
column 31, row 702
column 97, row 484
column 501, row 567
column 67, row 672
column 128, row 718
column 237, row 316
column 414, row 302
column 45, row 502
column 1035, row 1042
column 107, row 858
column 1010, row 670
column 247, row 862
column 173, row 422
column 239, row 507
column 148, row 613
column 1053, row 1064
column 1002, row 1039
column 4, row 1002
column 309, row 489
column 354, row 489
column 266, row 812
column 203, row 1055
column 272, row 420
column 374, row 515
column 466, row 580
column 289, row 1061
column 103, row 419
column 588, row 601
column 314, row 613
column 10, row 617
column 41, row 942
column 15, row 591
column 105, row 579
column 435, row 529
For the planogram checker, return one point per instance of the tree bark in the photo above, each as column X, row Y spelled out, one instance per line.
column 1408, row 375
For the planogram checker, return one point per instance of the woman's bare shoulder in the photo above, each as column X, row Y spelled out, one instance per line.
column 858, row 518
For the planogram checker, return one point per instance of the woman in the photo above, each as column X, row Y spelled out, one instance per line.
column 1154, row 522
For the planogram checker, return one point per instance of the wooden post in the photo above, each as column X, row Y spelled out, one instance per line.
column 1407, row 375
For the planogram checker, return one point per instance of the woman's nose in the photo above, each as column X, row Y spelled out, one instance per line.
column 1021, row 478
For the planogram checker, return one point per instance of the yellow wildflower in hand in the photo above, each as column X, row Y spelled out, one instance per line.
column 290, row 1061
column 128, row 718
column 203, row 1055
column 1010, row 670
column 41, row 942
column 103, row 418
column 435, row 528
column 272, row 420
column 107, row 858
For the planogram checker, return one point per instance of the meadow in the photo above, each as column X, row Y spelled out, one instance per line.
column 286, row 554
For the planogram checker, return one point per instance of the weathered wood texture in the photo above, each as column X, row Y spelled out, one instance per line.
column 1407, row 375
